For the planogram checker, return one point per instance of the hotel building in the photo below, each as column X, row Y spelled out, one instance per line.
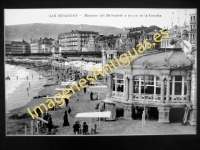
column 74, row 40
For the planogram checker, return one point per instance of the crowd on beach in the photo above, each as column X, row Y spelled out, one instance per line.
column 61, row 75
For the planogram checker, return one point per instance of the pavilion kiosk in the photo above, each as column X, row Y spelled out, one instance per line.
column 90, row 115
column 109, row 105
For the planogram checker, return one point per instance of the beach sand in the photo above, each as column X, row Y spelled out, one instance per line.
column 119, row 127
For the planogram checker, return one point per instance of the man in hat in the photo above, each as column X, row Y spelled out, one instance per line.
column 76, row 128
column 69, row 110
column 84, row 90
column 85, row 128
column 91, row 96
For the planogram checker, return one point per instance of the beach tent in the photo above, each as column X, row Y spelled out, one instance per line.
column 109, row 105
column 90, row 115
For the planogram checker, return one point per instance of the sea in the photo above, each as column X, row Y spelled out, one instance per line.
column 16, row 93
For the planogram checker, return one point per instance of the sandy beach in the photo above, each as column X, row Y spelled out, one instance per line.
column 119, row 127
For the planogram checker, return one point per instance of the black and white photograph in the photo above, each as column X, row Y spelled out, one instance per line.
column 100, row 71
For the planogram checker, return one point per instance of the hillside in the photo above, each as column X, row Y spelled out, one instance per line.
column 37, row 30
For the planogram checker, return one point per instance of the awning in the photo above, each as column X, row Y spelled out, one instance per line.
column 105, row 114
column 108, row 101
column 98, row 88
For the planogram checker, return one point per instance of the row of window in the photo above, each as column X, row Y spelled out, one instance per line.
column 192, row 27
column 67, row 44
column 192, row 18
column 148, row 84
column 75, row 35
column 68, row 40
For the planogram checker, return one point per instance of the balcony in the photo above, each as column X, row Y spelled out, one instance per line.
column 149, row 98
column 192, row 21
column 118, row 95
column 178, row 99
column 146, row 98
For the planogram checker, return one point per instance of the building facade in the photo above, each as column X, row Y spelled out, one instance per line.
column 74, row 40
column 34, row 45
column 17, row 47
column 106, row 42
column 90, row 44
column 45, row 45
column 165, row 86
column 193, row 28
column 8, row 47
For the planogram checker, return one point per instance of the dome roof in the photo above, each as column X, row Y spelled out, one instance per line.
column 161, row 59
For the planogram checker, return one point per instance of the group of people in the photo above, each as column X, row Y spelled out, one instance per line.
column 48, row 118
column 80, row 129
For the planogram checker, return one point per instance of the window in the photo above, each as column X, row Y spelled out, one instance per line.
column 178, row 85
column 118, row 83
column 136, row 84
column 146, row 84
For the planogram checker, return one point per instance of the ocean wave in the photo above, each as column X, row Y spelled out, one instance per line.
column 14, row 72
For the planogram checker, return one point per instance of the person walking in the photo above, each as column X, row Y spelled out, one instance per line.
column 77, row 97
column 66, row 122
column 58, row 76
column 27, row 77
column 32, row 76
column 29, row 84
column 17, row 77
column 84, row 90
column 69, row 110
column 66, row 101
column 27, row 91
column 45, row 118
column 85, row 128
column 50, row 123
column 91, row 95
column 76, row 128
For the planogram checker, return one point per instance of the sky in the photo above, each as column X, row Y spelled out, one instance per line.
column 130, row 17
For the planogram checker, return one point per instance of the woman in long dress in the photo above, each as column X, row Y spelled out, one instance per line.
column 66, row 122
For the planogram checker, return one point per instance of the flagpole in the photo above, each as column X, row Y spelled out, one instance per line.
column 143, row 114
column 144, row 100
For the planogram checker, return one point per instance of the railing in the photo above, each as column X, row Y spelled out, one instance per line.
column 178, row 99
column 192, row 21
column 146, row 98
column 157, row 98
column 118, row 95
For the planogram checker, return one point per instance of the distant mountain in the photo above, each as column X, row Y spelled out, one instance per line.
column 152, row 28
column 37, row 30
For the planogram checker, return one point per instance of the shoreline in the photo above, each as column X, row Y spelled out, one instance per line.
column 32, row 87
column 11, row 123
